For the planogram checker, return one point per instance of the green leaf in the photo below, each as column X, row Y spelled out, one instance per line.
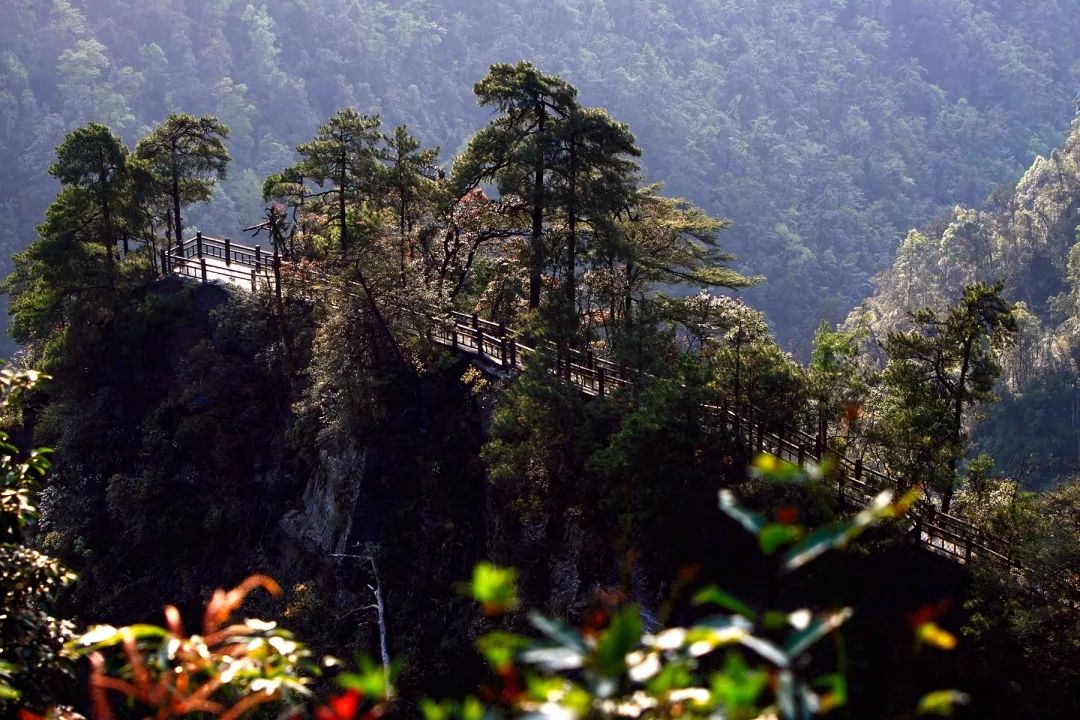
column 369, row 681
column 941, row 702
column 838, row 535
column 713, row 595
column 785, row 694
column 541, row 688
column 673, row 676
column 817, row 543
column 751, row 521
column 495, row 588
column 800, row 641
column 774, row 535
column 766, row 649
column 717, row 631
column 621, row 636
column 472, row 709
column 103, row 636
column 835, row 689
column 433, row 710
column 773, row 469
column 554, row 658
column 500, row 648
column 739, row 687
column 774, row 620
column 558, row 631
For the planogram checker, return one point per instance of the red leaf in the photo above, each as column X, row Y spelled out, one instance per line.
column 929, row 613
column 787, row 515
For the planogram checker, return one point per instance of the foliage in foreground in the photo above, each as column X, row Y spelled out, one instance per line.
column 31, row 638
column 737, row 661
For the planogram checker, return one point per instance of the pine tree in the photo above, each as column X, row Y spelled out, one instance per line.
column 594, row 178
column 410, row 170
column 515, row 149
column 939, row 369
column 344, row 154
column 93, row 159
column 663, row 240
column 188, row 153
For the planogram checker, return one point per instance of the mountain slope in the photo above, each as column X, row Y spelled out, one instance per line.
column 1027, row 236
column 821, row 128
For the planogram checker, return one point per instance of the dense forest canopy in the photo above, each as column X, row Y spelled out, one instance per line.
column 823, row 129
column 1025, row 235
column 331, row 387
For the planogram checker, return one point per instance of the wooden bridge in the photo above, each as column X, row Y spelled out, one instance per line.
column 209, row 259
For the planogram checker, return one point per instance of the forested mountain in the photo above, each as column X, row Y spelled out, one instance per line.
column 823, row 129
column 348, row 421
column 1026, row 235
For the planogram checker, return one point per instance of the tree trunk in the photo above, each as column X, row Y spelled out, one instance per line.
column 571, row 244
column 178, row 228
column 401, row 224
column 958, row 417
column 342, row 221
column 738, row 367
column 380, row 610
column 110, row 237
column 536, row 240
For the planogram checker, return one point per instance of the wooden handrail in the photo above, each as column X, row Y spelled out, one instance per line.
column 598, row 376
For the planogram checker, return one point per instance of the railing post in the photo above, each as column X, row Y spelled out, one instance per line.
column 819, row 445
column 253, row 286
column 503, row 360
column 858, row 469
column 513, row 353
column 198, row 244
column 202, row 264
column 479, row 335
column 164, row 262
column 968, row 549
column 258, row 256
column 600, row 381
column 589, row 359
column 228, row 252
column 801, row 458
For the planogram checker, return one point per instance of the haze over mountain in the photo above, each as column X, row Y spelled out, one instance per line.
column 823, row 129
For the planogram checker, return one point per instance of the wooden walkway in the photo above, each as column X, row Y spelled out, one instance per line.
column 209, row 259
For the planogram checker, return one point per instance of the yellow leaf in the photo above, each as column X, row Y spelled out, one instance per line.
column 931, row 634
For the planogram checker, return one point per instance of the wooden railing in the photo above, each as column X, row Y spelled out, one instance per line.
column 209, row 259
column 212, row 259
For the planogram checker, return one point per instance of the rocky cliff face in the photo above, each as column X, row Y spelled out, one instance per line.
column 324, row 523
